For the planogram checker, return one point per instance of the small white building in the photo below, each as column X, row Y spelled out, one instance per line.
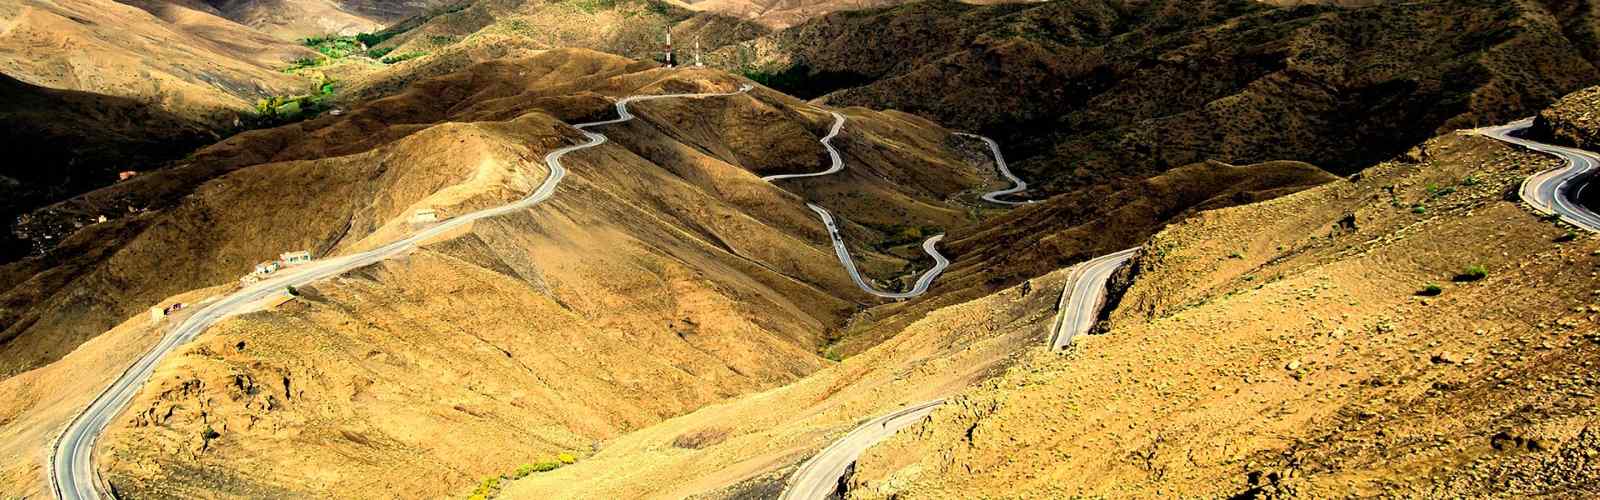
column 294, row 258
column 424, row 216
column 266, row 267
column 156, row 313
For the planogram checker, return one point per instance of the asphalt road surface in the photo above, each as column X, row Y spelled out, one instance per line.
column 819, row 476
column 1000, row 163
column 1082, row 297
column 72, row 472
column 827, row 143
column 939, row 262
column 1557, row 190
column 1081, row 300
column 839, row 248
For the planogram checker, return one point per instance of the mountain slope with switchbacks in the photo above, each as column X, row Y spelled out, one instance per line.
column 1137, row 88
column 680, row 277
column 1415, row 331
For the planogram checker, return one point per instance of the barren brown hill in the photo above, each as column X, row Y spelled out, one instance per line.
column 491, row 91
column 1288, row 348
column 1037, row 239
column 678, row 327
column 784, row 13
column 631, row 28
column 1084, row 91
column 298, row 19
column 187, row 62
column 898, row 354
column 663, row 276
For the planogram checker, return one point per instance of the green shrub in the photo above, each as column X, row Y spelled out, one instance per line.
column 566, row 458
column 404, row 57
column 832, row 355
column 1473, row 273
column 1568, row 236
column 659, row 8
column 373, row 39
column 487, row 487
column 334, row 46
column 522, row 471
column 303, row 63
column 545, row 466
column 592, row 6
column 379, row 53
column 442, row 39
column 277, row 110
column 449, row 9
column 1419, row 209
column 1551, row 217
column 1430, row 290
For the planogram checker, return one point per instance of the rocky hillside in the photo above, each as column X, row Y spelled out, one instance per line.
column 1410, row 333
column 1089, row 90
column 1573, row 121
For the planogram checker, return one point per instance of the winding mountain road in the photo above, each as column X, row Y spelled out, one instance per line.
column 1549, row 192
column 1083, row 297
column 72, row 472
column 1557, row 190
column 819, row 477
column 839, row 248
column 1081, row 300
column 939, row 261
column 827, row 143
column 1000, row 163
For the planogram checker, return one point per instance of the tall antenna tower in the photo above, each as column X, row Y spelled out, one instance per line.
column 669, row 49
